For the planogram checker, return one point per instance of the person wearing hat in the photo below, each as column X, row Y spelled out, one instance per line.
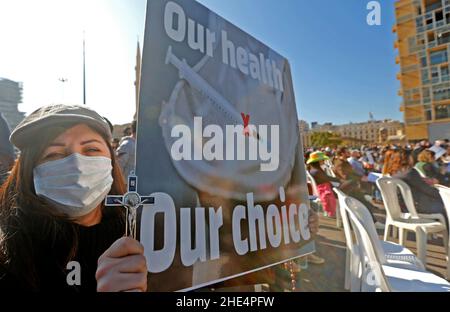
column 57, row 235
column 316, row 165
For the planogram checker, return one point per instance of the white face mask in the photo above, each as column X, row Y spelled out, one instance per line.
column 75, row 185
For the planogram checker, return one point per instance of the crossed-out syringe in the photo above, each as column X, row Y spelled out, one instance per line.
column 197, row 82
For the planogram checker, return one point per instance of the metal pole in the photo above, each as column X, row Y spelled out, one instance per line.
column 84, row 69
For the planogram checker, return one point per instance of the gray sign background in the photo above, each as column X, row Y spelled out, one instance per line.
column 156, row 170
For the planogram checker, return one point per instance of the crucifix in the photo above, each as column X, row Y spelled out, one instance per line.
column 131, row 201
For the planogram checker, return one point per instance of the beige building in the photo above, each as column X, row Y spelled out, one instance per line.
column 369, row 132
column 305, row 133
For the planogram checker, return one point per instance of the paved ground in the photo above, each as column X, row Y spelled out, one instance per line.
column 331, row 246
column 330, row 276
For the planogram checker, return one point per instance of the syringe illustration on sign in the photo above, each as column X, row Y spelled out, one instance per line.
column 131, row 201
column 197, row 82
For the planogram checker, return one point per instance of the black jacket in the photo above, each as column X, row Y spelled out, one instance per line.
column 423, row 194
column 51, row 270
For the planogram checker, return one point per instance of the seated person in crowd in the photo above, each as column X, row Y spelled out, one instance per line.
column 323, row 181
column 351, row 182
column 427, row 199
column 428, row 167
column 392, row 161
column 357, row 165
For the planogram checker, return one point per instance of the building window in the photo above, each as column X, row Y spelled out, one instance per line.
column 438, row 57
column 426, row 95
column 445, row 73
column 442, row 111
column 439, row 16
column 425, row 78
column 430, row 37
column 419, row 21
column 433, row 6
column 428, row 115
column 444, row 38
column 423, row 60
column 441, row 94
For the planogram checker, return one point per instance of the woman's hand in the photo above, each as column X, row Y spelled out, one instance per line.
column 313, row 222
column 122, row 267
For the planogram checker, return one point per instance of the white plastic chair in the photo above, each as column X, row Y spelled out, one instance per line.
column 352, row 280
column 422, row 225
column 329, row 168
column 389, row 252
column 310, row 179
column 380, row 276
column 445, row 194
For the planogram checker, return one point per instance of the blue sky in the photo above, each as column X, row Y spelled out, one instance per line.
column 342, row 68
column 42, row 41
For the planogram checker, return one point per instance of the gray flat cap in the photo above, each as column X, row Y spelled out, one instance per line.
column 56, row 115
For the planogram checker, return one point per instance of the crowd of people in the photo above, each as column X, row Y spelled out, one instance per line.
column 421, row 166
column 66, row 162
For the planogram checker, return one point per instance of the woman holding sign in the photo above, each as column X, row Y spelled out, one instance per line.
column 56, row 233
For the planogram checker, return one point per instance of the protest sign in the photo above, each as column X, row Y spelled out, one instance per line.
column 218, row 148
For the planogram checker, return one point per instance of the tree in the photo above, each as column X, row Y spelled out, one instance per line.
column 323, row 139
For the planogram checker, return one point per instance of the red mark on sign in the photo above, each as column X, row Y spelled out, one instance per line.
column 246, row 120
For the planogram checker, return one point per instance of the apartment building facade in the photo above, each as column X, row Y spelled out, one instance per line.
column 423, row 43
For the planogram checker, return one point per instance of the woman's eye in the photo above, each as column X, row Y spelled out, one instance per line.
column 53, row 156
column 92, row 150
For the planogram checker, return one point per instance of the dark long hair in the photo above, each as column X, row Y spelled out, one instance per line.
column 26, row 220
column 315, row 165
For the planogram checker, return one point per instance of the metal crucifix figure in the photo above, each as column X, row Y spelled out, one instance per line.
column 131, row 201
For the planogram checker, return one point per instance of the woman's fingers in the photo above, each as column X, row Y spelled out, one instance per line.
column 123, row 247
column 129, row 264
column 133, row 264
column 115, row 282
column 122, row 267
